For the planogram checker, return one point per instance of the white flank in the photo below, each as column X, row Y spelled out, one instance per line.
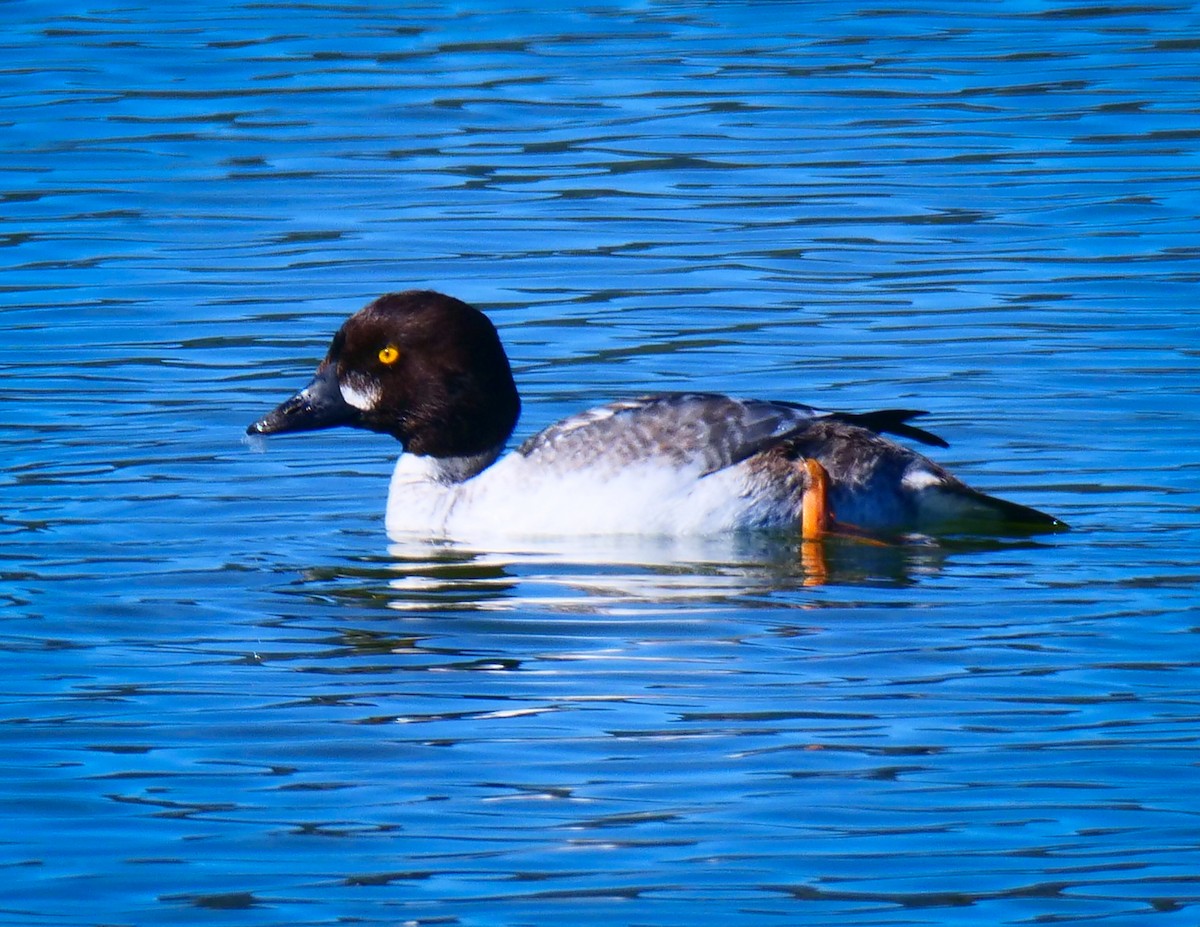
column 513, row 498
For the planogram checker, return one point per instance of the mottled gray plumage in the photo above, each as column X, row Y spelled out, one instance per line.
column 686, row 430
column 705, row 431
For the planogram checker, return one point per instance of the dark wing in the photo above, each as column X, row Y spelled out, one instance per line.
column 706, row 431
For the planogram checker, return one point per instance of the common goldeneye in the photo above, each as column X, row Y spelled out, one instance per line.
column 430, row 371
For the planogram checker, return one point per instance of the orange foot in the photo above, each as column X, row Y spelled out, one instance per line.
column 815, row 517
column 815, row 520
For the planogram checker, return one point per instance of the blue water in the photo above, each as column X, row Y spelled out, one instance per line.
column 225, row 698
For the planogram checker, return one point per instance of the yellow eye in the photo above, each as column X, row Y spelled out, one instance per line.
column 389, row 354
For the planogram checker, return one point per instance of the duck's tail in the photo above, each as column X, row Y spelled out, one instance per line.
column 894, row 422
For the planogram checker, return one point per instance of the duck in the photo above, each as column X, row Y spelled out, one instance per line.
column 430, row 371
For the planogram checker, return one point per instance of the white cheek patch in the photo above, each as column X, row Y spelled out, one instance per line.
column 918, row 479
column 360, row 392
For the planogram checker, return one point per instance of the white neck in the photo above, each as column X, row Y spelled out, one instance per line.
column 424, row 490
column 446, row 471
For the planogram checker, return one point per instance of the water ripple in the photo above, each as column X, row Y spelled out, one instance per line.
column 214, row 663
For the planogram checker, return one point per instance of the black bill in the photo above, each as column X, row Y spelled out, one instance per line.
column 318, row 405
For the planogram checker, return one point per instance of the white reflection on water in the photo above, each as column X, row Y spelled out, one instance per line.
column 611, row 573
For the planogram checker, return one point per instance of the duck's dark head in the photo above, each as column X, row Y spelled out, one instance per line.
column 423, row 367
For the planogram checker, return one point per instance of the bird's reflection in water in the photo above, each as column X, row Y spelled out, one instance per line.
column 602, row 573
column 610, row 574
column 466, row 607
